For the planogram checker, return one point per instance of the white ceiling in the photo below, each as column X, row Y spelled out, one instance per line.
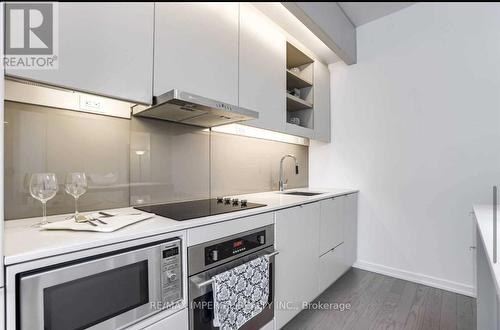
column 363, row 12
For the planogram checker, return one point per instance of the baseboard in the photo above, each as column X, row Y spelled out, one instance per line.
column 418, row 278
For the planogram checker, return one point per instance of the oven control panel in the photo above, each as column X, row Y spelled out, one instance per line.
column 234, row 246
column 171, row 272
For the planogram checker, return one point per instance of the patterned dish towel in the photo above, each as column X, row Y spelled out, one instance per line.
column 240, row 293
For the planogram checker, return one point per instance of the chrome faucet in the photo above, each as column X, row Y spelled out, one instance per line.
column 282, row 179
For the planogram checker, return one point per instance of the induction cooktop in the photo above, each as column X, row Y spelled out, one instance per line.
column 199, row 208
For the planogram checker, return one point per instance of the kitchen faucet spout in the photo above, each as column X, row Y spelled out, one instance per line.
column 282, row 179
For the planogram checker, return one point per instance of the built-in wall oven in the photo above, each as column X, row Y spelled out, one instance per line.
column 108, row 291
column 214, row 257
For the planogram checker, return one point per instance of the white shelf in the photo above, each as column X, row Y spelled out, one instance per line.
column 294, row 103
column 295, row 57
column 295, row 81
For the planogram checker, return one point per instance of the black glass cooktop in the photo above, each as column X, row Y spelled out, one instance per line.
column 199, row 208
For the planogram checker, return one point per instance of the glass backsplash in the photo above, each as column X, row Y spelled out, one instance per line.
column 130, row 162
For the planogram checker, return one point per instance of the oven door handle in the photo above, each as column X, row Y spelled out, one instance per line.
column 210, row 281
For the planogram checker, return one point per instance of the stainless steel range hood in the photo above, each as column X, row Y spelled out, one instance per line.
column 186, row 108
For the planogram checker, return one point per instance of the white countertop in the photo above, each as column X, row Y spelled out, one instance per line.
column 25, row 243
column 484, row 218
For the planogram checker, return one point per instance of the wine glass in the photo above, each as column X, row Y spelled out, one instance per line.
column 76, row 185
column 43, row 186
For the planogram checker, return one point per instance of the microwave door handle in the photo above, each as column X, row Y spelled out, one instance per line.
column 210, row 281
column 202, row 284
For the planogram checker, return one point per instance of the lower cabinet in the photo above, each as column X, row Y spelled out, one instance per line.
column 2, row 309
column 338, row 237
column 297, row 264
column 317, row 244
column 177, row 321
column 269, row 326
column 488, row 305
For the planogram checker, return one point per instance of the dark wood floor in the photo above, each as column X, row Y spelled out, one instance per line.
column 383, row 302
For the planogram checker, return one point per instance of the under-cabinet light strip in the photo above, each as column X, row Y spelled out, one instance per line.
column 254, row 132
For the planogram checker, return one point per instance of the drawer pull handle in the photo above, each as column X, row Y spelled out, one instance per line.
column 333, row 248
column 336, row 246
column 494, row 224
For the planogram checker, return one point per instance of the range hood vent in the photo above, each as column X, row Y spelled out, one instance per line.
column 182, row 107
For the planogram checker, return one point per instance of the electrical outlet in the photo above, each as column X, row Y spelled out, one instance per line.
column 90, row 103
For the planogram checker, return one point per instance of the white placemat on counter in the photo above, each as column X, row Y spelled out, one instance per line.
column 113, row 223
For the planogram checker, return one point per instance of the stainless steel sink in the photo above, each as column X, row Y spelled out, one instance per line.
column 301, row 193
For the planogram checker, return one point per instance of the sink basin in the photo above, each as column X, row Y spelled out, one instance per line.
column 302, row 193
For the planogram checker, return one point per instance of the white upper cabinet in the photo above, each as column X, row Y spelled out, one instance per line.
column 104, row 48
column 262, row 63
column 322, row 122
column 196, row 49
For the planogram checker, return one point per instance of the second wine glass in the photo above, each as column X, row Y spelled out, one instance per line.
column 76, row 185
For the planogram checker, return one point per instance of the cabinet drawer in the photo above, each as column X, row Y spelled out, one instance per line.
column 2, row 309
column 227, row 228
column 331, row 267
column 177, row 321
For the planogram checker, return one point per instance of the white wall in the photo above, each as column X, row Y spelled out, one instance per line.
column 416, row 127
column 2, row 85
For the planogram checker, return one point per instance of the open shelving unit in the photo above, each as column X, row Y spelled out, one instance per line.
column 294, row 103
column 299, row 88
column 293, row 80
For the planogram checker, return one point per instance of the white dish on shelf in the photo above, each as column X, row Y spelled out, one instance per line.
column 295, row 120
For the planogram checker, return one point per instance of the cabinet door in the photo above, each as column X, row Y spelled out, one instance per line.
column 322, row 122
column 297, row 264
column 177, row 321
column 262, row 79
column 105, row 49
column 331, row 267
column 331, row 224
column 351, row 229
column 487, row 299
column 196, row 49
column 2, row 309
column 299, row 131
